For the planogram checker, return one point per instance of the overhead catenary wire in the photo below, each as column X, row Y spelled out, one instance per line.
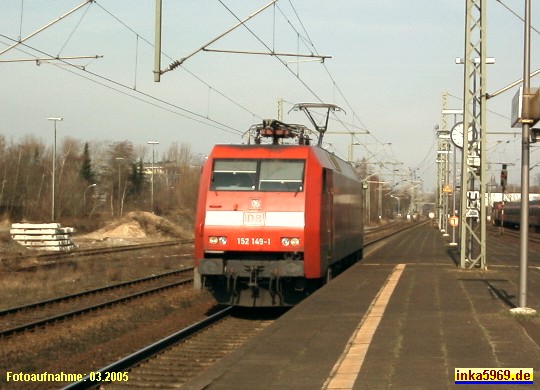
column 520, row 81
column 123, row 89
column 202, row 118
column 52, row 57
column 268, row 48
column 74, row 29
column 162, row 104
column 191, row 73
column 179, row 62
column 34, row 33
column 308, row 41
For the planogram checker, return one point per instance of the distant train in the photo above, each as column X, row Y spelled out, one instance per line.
column 275, row 221
column 510, row 214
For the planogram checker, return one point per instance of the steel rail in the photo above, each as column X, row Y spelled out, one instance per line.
column 407, row 227
column 495, row 231
column 105, row 250
column 74, row 313
column 91, row 292
column 61, row 256
column 163, row 344
column 146, row 352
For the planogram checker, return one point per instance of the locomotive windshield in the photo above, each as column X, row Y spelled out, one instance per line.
column 257, row 175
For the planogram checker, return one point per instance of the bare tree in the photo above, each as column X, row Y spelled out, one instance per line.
column 118, row 171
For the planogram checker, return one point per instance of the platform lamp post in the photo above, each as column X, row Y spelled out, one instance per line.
column 119, row 159
column 54, row 119
column 153, row 143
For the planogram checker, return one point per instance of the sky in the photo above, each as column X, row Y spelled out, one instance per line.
column 390, row 63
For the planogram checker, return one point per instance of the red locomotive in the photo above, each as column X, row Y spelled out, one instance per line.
column 275, row 221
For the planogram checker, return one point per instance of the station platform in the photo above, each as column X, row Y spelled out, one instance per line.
column 405, row 317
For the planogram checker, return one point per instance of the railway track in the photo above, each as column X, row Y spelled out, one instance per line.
column 383, row 232
column 53, row 259
column 503, row 231
column 24, row 318
column 177, row 358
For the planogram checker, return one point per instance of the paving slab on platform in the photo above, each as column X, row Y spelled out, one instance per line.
column 438, row 318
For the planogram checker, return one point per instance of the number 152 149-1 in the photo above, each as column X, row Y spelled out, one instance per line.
column 252, row 241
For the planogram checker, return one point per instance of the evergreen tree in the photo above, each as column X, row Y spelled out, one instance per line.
column 86, row 167
column 137, row 177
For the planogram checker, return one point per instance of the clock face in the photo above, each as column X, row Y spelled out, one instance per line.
column 456, row 134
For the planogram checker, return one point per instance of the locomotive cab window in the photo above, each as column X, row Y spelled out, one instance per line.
column 281, row 175
column 258, row 175
column 234, row 175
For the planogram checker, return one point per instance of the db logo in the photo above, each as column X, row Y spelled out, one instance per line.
column 254, row 219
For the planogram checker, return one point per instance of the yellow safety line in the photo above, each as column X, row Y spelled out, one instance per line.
column 348, row 366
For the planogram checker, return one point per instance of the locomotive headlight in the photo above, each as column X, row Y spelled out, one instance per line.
column 213, row 240
column 286, row 241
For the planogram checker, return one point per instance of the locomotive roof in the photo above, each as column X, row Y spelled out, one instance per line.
column 325, row 158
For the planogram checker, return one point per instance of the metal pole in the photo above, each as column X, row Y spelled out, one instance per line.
column 45, row 59
column 157, row 46
column 153, row 143
column 524, row 226
column 368, row 202
column 454, row 184
column 380, row 203
column 119, row 159
column 119, row 192
column 473, row 221
column 152, row 202
column 446, row 181
column 54, row 119
column 53, row 174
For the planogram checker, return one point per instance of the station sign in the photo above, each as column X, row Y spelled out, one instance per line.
column 473, row 200
column 453, row 220
column 525, row 107
column 473, row 162
column 472, row 213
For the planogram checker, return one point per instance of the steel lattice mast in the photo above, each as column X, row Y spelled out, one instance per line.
column 473, row 186
column 443, row 158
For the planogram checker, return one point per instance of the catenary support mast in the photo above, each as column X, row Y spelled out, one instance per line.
column 473, row 186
